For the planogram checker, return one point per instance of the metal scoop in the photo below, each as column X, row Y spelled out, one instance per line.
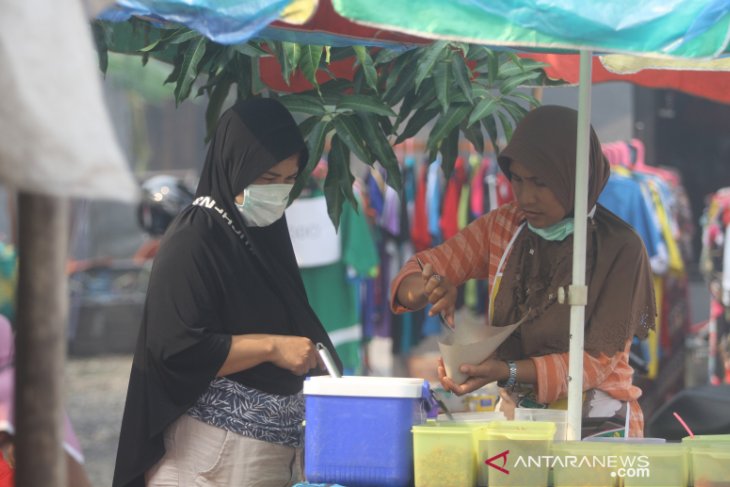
column 436, row 397
column 328, row 360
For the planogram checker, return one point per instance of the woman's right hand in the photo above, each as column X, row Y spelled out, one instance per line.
column 440, row 293
column 296, row 354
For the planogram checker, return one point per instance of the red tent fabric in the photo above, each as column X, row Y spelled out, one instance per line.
column 331, row 26
column 714, row 85
column 270, row 71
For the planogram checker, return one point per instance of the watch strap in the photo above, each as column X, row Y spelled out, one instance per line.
column 512, row 380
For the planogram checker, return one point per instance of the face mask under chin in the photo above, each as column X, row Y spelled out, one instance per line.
column 557, row 232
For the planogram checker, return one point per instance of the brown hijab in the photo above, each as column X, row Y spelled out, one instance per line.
column 620, row 287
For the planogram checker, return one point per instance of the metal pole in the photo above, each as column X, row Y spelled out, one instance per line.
column 578, row 291
column 41, row 340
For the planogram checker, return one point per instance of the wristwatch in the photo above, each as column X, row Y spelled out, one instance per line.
column 512, row 380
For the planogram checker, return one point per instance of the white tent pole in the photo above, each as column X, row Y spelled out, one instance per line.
column 577, row 293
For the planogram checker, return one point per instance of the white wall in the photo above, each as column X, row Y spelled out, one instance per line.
column 612, row 107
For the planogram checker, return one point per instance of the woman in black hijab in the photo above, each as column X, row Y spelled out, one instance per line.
column 227, row 334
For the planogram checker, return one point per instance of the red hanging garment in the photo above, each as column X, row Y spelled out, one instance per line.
column 419, row 229
column 6, row 473
column 449, row 221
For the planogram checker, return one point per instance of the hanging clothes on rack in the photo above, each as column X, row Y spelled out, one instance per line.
column 450, row 215
column 430, row 208
column 392, row 230
column 663, row 185
column 471, row 205
column 419, row 230
column 449, row 219
column 624, row 197
column 644, row 197
column 715, row 266
column 434, row 184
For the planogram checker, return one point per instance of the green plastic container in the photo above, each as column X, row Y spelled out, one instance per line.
column 443, row 455
column 656, row 465
column 709, row 460
column 720, row 440
column 586, row 464
column 509, row 453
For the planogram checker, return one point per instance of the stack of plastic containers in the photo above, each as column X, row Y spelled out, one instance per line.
column 585, row 464
column 358, row 429
column 479, row 417
column 499, row 453
column 445, row 450
column 631, row 462
column 443, row 454
column 666, row 464
column 557, row 416
column 511, row 453
column 709, row 460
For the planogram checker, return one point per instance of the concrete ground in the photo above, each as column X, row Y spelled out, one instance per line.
column 96, row 388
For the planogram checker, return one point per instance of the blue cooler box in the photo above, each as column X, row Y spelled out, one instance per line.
column 358, row 429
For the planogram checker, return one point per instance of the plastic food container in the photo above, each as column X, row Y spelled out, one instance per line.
column 508, row 453
column 586, row 463
column 358, row 429
column 709, row 460
column 477, row 422
column 443, row 455
column 666, row 464
column 557, row 416
column 625, row 441
column 708, row 440
column 473, row 417
column 710, row 466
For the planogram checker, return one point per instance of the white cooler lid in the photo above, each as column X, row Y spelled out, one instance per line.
column 364, row 386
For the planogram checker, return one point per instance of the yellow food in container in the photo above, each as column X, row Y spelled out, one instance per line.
column 443, row 455
column 585, row 464
column 666, row 465
column 710, row 455
column 509, row 451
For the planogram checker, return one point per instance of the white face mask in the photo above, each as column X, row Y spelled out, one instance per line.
column 263, row 204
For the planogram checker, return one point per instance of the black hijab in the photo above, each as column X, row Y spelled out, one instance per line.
column 213, row 277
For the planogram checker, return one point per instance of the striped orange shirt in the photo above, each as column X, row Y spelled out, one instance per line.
column 475, row 253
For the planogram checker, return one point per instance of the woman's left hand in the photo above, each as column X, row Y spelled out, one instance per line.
column 479, row 376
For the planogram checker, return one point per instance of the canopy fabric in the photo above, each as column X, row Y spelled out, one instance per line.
column 713, row 85
column 223, row 21
column 328, row 28
column 664, row 28
column 55, row 134
column 680, row 28
column 236, row 21
column 661, row 27
column 622, row 64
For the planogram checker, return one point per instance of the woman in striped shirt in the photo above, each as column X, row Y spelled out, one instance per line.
column 524, row 249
